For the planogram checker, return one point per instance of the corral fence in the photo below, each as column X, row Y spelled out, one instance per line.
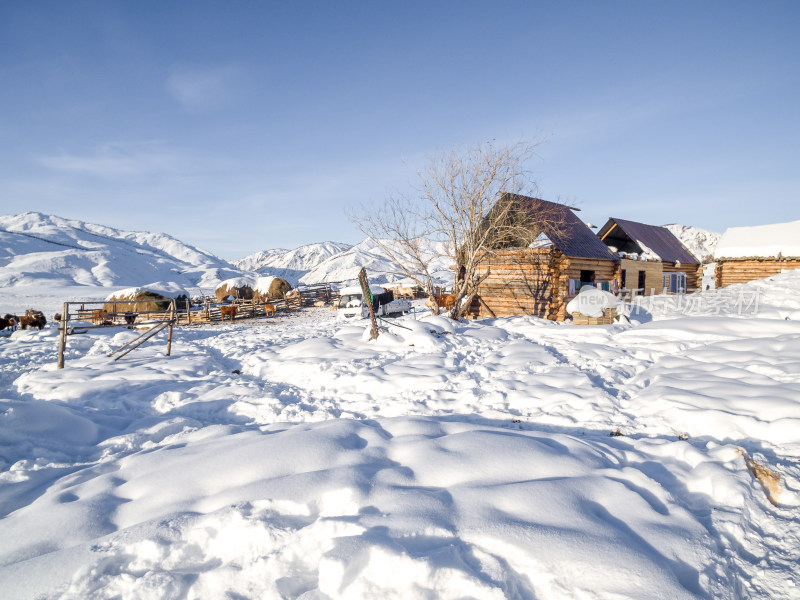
column 210, row 310
column 82, row 316
column 320, row 294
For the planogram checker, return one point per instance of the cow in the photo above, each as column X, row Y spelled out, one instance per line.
column 229, row 311
column 101, row 317
column 130, row 318
column 445, row 301
column 270, row 310
column 9, row 321
column 33, row 318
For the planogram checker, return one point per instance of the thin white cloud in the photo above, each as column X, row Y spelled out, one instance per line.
column 204, row 89
column 128, row 160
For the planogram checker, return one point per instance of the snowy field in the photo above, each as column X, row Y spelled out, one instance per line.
column 290, row 458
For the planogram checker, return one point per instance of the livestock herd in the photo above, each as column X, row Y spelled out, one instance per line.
column 32, row 318
column 36, row 319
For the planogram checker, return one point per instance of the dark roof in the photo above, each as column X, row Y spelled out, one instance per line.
column 658, row 239
column 571, row 236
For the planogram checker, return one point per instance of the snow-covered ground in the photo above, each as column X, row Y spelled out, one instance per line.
column 290, row 458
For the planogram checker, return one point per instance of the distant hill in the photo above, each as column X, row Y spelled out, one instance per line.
column 700, row 242
column 37, row 249
column 344, row 267
column 43, row 249
column 331, row 262
column 291, row 265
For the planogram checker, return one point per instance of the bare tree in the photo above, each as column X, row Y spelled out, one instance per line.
column 468, row 200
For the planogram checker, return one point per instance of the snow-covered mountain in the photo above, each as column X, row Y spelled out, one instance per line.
column 700, row 242
column 37, row 248
column 291, row 265
column 344, row 267
column 331, row 262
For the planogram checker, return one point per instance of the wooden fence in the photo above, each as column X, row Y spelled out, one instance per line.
column 75, row 316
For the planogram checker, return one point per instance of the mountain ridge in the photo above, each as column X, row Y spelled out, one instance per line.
column 36, row 247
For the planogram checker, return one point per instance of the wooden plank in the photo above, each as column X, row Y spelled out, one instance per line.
column 62, row 335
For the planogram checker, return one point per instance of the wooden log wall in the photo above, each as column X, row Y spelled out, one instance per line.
column 604, row 270
column 730, row 272
column 534, row 281
column 693, row 274
column 653, row 276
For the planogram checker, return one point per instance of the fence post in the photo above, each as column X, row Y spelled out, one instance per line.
column 62, row 335
column 171, row 323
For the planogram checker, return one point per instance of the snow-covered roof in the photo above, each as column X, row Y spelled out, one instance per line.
column 356, row 289
column 651, row 242
column 760, row 241
column 563, row 228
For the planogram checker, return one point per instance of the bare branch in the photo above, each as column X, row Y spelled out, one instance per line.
column 466, row 199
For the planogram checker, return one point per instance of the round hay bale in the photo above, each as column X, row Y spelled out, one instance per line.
column 269, row 288
column 142, row 301
column 235, row 288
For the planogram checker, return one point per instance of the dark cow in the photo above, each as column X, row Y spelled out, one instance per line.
column 33, row 318
column 8, row 321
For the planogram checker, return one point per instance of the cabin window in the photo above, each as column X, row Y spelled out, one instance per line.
column 642, row 281
column 587, row 278
column 622, row 278
column 675, row 283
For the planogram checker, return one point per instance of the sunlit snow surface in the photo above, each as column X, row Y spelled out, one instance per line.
column 444, row 460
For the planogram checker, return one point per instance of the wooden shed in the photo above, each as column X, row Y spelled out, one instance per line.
column 747, row 253
column 652, row 259
column 540, row 280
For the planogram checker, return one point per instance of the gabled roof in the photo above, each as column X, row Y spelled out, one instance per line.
column 760, row 241
column 571, row 236
column 659, row 240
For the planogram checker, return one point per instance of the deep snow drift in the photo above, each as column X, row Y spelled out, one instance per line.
column 444, row 460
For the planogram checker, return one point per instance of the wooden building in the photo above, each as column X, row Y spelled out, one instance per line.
column 747, row 253
column 652, row 259
column 540, row 280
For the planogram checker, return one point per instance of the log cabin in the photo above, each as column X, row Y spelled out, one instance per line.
column 652, row 259
column 539, row 278
column 747, row 253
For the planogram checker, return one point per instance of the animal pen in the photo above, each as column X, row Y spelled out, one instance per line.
column 113, row 314
column 81, row 316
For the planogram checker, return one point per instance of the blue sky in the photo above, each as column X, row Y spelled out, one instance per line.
column 239, row 126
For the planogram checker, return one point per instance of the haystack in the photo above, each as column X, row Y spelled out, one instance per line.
column 151, row 298
column 270, row 288
column 238, row 288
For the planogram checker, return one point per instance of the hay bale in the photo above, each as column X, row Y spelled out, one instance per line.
column 144, row 300
column 239, row 288
column 269, row 288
